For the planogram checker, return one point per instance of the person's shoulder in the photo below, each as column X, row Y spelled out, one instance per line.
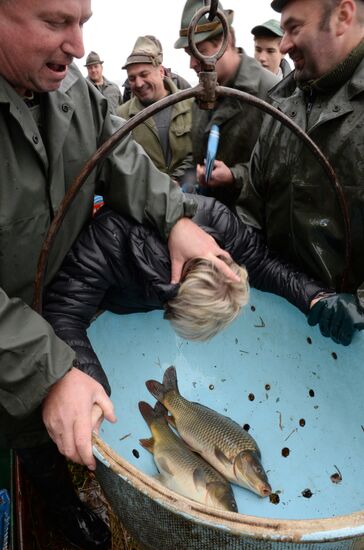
column 252, row 75
column 128, row 109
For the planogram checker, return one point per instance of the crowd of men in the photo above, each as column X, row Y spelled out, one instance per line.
column 277, row 197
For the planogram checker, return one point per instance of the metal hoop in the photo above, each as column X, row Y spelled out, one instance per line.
column 208, row 62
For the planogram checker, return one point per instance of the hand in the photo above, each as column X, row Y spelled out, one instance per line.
column 338, row 315
column 186, row 241
column 73, row 409
column 221, row 175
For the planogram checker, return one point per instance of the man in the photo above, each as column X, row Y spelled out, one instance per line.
column 290, row 197
column 267, row 38
column 108, row 89
column 165, row 136
column 51, row 122
column 178, row 80
column 239, row 123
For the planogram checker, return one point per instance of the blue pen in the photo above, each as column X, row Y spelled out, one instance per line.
column 212, row 146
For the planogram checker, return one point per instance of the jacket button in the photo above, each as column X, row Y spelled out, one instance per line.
column 336, row 108
column 65, row 108
column 293, row 114
column 35, row 139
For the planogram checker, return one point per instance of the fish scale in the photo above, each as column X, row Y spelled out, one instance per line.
column 192, row 419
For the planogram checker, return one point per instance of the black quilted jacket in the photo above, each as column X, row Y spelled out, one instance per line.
column 119, row 265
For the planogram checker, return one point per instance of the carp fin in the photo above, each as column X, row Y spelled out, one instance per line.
column 170, row 419
column 147, row 412
column 170, row 379
column 221, row 457
column 156, row 389
column 147, row 444
column 163, row 465
column 199, row 478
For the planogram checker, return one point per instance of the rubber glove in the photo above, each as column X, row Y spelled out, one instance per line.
column 338, row 315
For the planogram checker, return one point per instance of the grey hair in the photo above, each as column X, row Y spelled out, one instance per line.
column 207, row 301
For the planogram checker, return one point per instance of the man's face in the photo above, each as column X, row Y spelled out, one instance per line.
column 146, row 82
column 95, row 73
column 311, row 45
column 266, row 51
column 39, row 39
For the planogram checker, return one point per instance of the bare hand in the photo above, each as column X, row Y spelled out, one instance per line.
column 221, row 175
column 187, row 241
column 73, row 409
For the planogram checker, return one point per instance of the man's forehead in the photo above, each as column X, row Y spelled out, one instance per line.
column 138, row 68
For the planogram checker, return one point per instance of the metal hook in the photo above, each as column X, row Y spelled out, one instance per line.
column 214, row 4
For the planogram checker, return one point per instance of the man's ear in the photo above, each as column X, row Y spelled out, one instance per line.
column 345, row 13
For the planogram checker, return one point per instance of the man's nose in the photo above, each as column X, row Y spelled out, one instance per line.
column 286, row 44
column 194, row 63
column 73, row 42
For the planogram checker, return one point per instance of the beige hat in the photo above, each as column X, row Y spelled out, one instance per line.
column 146, row 50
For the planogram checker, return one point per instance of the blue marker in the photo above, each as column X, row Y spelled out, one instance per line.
column 212, row 146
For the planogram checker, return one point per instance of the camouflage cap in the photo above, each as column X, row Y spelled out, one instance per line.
column 93, row 58
column 278, row 5
column 205, row 29
column 147, row 49
column 269, row 28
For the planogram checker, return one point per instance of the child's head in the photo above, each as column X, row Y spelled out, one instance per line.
column 206, row 301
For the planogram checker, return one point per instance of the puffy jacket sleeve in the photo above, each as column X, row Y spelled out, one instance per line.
column 33, row 358
column 73, row 298
column 266, row 270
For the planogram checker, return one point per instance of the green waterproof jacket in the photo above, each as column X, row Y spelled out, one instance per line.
column 290, row 196
column 239, row 124
column 38, row 162
column 111, row 91
column 146, row 134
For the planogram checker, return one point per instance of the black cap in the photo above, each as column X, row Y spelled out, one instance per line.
column 278, row 5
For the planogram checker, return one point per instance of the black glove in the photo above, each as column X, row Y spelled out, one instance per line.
column 339, row 316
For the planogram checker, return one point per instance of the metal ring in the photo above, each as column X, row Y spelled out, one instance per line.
column 207, row 61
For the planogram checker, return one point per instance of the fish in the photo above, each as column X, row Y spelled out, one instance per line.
column 229, row 448
column 180, row 469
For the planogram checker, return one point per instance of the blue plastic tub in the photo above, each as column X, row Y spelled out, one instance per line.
column 299, row 394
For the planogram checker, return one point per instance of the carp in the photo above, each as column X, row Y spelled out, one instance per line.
column 229, row 448
column 182, row 470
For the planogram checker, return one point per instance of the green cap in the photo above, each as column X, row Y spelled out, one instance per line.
column 205, row 29
column 269, row 28
column 93, row 58
column 147, row 49
column 278, row 5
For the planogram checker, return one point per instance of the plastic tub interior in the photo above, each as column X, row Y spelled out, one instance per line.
column 299, row 394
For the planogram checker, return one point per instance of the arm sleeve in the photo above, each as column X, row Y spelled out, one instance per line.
column 133, row 186
column 74, row 296
column 266, row 270
column 32, row 357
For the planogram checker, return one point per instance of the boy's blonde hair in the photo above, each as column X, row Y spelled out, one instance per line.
column 207, row 301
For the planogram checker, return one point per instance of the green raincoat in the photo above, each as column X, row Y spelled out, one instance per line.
column 290, row 196
column 38, row 163
column 146, row 134
column 239, row 125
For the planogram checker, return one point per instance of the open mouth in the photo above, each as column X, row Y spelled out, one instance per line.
column 56, row 67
